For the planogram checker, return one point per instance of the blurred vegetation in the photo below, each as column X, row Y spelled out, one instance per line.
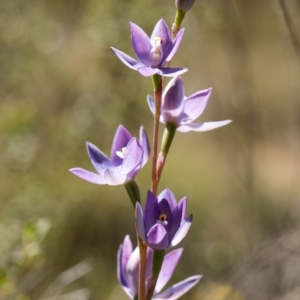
column 60, row 86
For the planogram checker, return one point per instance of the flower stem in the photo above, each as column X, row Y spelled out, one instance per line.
column 142, row 270
column 158, row 258
column 177, row 23
column 157, row 85
column 168, row 137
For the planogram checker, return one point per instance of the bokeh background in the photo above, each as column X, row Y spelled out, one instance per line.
column 60, row 85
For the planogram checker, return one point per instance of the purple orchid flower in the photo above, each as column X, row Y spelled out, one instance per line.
column 128, row 156
column 153, row 53
column 163, row 224
column 128, row 271
column 182, row 111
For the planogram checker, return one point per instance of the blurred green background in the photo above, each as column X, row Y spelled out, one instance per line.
column 60, row 85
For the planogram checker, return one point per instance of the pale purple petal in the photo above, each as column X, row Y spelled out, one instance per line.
column 124, row 253
column 99, row 160
column 127, row 60
column 176, row 44
column 169, row 196
column 144, row 142
column 182, row 207
column 194, row 105
column 151, row 103
column 140, row 43
column 121, row 139
column 140, row 222
column 147, row 71
column 113, row 177
column 206, row 126
column 132, row 158
column 182, row 231
column 171, row 72
column 164, row 207
column 174, row 223
column 121, row 273
column 152, row 211
column 88, row 176
column 167, row 269
column 157, row 237
column 162, row 30
column 172, row 101
column 133, row 271
column 120, row 270
column 178, row 289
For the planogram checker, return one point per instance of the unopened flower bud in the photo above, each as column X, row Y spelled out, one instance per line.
column 184, row 5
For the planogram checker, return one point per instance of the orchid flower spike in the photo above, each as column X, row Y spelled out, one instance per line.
column 153, row 53
column 181, row 111
column 163, row 223
column 128, row 273
column 128, row 156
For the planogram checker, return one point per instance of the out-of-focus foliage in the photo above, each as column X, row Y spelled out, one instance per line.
column 60, row 85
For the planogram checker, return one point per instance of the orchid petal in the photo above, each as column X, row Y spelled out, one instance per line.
column 147, row 71
column 121, row 139
column 99, row 160
column 124, row 252
column 127, row 60
column 88, row 176
column 200, row 127
column 152, row 211
column 178, row 289
column 144, row 142
column 151, row 103
column 169, row 196
column 172, row 101
column 113, row 177
column 157, row 237
column 161, row 30
column 133, row 271
column 132, row 158
column 176, row 44
column 140, row 43
column 194, row 105
column 165, row 208
column 182, row 231
column 174, row 223
column 140, row 222
column 182, row 207
column 167, row 269
column 171, row 72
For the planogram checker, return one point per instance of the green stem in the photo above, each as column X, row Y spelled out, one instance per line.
column 168, row 137
column 177, row 23
column 133, row 192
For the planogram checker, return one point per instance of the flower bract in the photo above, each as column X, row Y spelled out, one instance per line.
column 153, row 53
column 128, row 156
column 163, row 223
column 182, row 111
column 128, row 271
column 184, row 5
